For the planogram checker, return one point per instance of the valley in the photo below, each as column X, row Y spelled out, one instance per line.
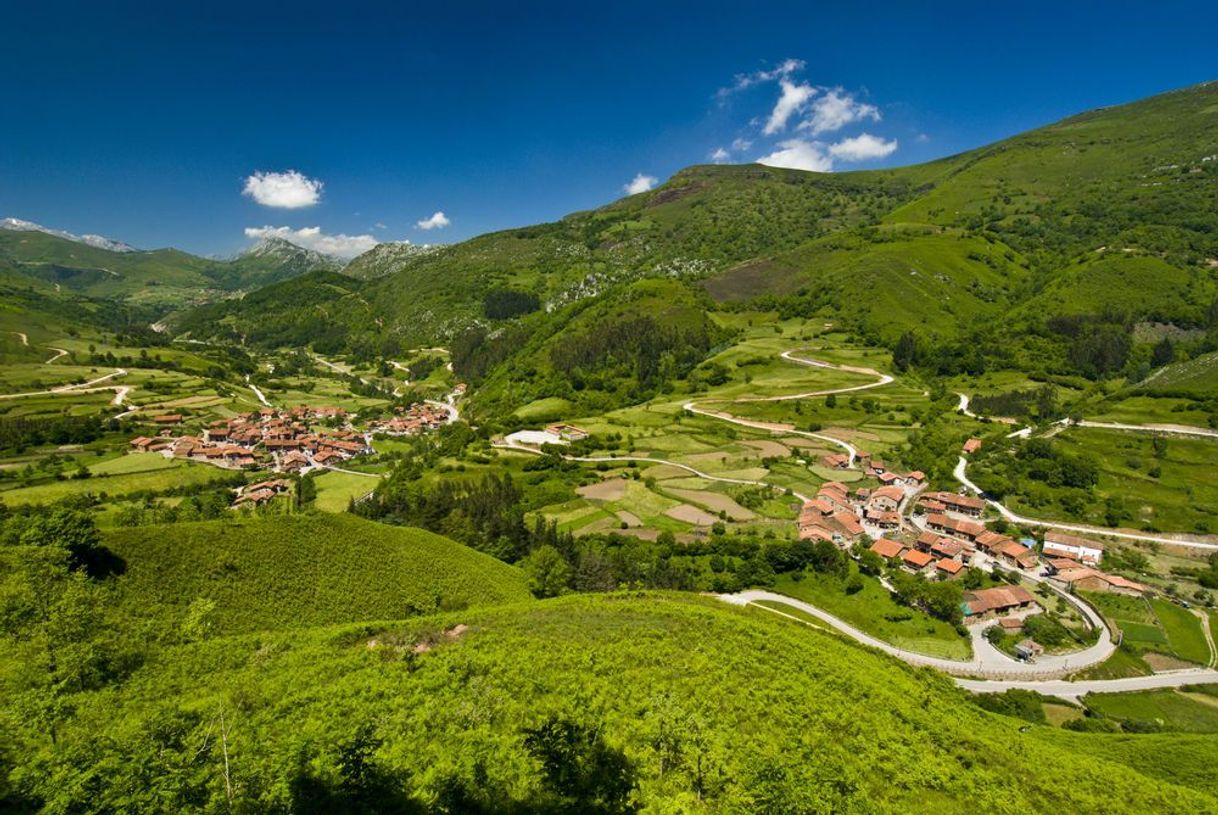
column 730, row 495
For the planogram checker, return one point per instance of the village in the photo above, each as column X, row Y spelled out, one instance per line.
column 296, row 441
column 939, row 535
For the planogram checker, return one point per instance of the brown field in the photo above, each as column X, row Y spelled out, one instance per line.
column 629, row 518
column 715, row 502
column 768, row 448
column 691, row 515
column 611, row 489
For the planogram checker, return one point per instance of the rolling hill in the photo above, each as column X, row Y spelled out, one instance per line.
column 153, row 279
column 593, row 704
column 302, row 570
column 1077, row 220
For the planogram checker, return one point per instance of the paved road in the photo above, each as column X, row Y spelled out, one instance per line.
column 1074, row 690
column 1050, row 687
column 521, row 448
column 257, row 392
column 961, row 475
column 987, row 660
column 1169, row 429
column 777, row 427
column 81, row 387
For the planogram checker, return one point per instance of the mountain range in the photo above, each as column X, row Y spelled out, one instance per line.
column 1026, row 251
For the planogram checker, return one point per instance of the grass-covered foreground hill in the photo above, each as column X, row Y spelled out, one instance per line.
column 590, row 704
column 284, row 572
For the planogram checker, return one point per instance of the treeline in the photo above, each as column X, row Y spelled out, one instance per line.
column 20, row 433
column 503, row 304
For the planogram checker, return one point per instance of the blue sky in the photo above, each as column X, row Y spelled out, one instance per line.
column 144, row 122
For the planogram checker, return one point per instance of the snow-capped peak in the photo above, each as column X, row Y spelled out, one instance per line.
column 96, row 241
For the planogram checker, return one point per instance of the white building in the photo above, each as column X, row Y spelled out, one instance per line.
column 1059, row 544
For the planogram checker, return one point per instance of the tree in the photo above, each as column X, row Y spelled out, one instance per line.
column 906, row 352
column 1163, row 353
column 583, row 772
column 548, row 572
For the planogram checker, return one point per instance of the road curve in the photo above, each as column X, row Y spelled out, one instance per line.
column 81, row 387
column 987, row 660
column 961, row 475
column 774, row 427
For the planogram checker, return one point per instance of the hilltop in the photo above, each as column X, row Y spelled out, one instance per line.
column 283, row 572
column 611, row 703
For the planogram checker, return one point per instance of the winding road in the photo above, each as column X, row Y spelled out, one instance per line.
column 780, row 427
column 80, row 387
column 1004, row 672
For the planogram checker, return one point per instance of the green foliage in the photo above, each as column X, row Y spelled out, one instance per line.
column 579, row 704
column 288, row 571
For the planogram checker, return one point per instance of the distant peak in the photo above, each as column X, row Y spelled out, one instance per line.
column 96, row 241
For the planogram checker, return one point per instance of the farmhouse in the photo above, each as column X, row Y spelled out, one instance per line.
column 947, row 568
column 835, row 461
column 886, row 499
column 984, row 603
column 887, row 549
column 852, row 530
column 972, row 446
column 968, row 530
column 916, row 561
column 1085, row 578
column 882, row 519
column 567, row 432
column 954, row 502
column 1059, row 544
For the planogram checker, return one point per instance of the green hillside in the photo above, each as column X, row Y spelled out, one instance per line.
column 302, row 570
column 601, row 704
column 1041, row 252
column 156, row 278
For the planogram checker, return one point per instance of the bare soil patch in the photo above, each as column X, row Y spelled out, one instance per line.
column 611, row 489
column 1162, row 662
column 629, row 518
column 715, row 502
column 691, row 515
column 768, row 448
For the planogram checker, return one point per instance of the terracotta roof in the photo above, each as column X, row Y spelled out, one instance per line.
column 950, row 566
column 997, row 598
column 894, row 492
column 917, row 559
column 886, row 548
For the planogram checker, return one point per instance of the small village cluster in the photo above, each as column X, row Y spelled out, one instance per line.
column 288, row 441
column 940, row 534
column 417, row 418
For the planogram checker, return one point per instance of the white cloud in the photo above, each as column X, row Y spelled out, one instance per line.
column 438, row 220
column 311, row 237
column 862, row 147
column 290, row 190
column 792, row 100
column 798, row 154
column 836, row 109
column 641, row 183
column 783, row 69
column 741, row 144
column 720, row 155
column 379, row 225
